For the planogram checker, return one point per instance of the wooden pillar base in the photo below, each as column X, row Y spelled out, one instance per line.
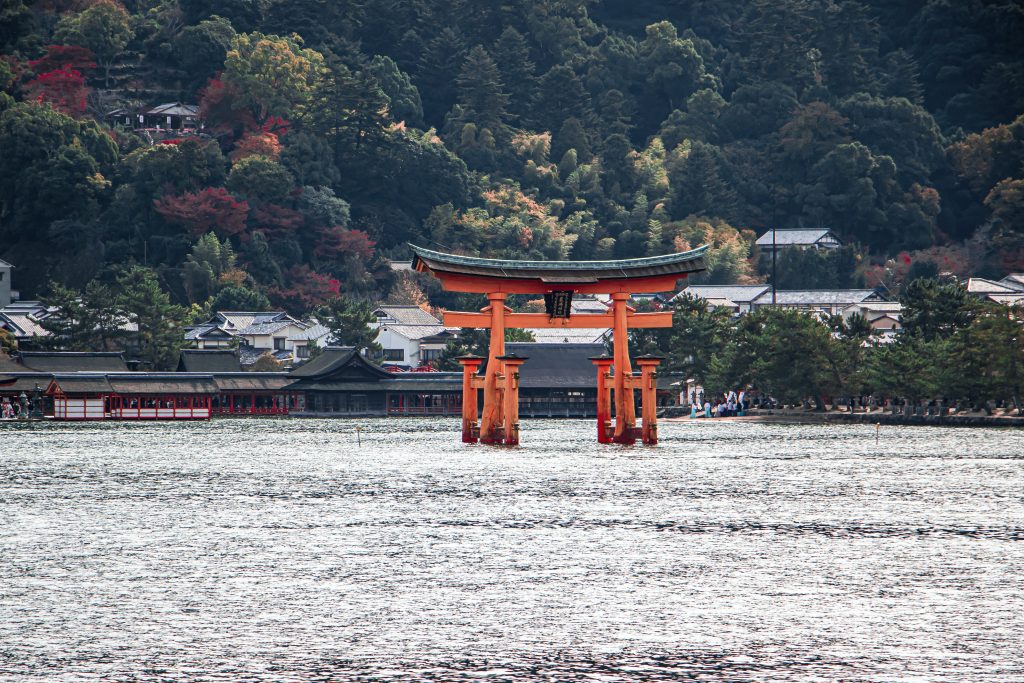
column 649, row 398
column 470, row 384
column 510, row 395
column 605, row 430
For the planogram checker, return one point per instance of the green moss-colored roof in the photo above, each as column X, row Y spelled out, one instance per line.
column 568, row 271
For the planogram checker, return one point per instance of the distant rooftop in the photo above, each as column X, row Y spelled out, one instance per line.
column 799, row 237
column 404, row 315
column 73, row 361
column 739, row 294
column 979, row 285
column 816, row 297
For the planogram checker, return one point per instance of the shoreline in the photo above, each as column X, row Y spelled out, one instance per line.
column 876, row 417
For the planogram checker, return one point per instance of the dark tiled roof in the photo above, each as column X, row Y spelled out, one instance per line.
column 159, row 383
column 26, row 383
column 84, row 384
column 338, row 363
column 330, row 359
column 208, row 360
column 73, row 361
column 252, row 381
column 556, row 365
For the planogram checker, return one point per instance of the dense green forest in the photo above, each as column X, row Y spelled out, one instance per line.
column 338, row 131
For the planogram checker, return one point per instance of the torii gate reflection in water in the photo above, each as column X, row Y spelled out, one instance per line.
column 558, row 281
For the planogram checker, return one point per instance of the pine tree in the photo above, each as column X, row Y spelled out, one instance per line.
column 158, row 338
column 561, row 95
column 482, row 94
column 511, row 53
column 443, row 57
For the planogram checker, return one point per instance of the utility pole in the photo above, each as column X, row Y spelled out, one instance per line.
column 775, row 251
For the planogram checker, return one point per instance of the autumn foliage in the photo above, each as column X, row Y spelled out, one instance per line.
column 336, row 242
column 211, row 209
column 276, row 220
column 63, row 89
column 305, row 288
column 64, row 57
column 262, row 144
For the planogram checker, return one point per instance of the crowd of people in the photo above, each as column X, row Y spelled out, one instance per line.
column 730, row 404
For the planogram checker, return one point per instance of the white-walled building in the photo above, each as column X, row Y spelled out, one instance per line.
column 6, row 272
column 262, row 331
column 883, row 316
column 408, row 335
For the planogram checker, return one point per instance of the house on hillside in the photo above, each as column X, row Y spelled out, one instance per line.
column 802, row 238
column 254, row 332
column 314, row 334
column 737, row 298
column 830, row 301
column 408, row 335
column 883, row 316
column 1009, row 291
column 22, row 318
column 170, row 116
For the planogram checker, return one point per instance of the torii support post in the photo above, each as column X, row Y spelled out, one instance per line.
column 491, row 419
column 604, row 398
column 510, row 392
column 649, row 397
column 470, row 384
column 625, row 408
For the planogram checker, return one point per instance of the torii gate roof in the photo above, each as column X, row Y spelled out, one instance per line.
column 474, row 274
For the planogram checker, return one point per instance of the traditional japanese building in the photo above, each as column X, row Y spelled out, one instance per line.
column 340, row 382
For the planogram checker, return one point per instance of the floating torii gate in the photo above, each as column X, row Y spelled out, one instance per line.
column 558, row 281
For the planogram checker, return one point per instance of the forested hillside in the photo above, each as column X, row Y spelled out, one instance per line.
column 337, row 131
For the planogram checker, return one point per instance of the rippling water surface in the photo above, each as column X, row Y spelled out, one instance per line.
column 281, row 550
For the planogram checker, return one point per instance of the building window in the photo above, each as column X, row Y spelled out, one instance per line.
column 394, row 354
column 302, row 351
column 430, row 354
column 279, row 343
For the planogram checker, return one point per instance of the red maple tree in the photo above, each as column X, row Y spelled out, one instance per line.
column 275, row 220
column 63, row 89
column 217, row 104
column 64, row 57
column 213, row 208
column 336, row 242
column 305, row 289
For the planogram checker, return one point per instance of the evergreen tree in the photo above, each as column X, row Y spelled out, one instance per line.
column 349, row 322
column 481, row 93
column 511, row 54
column 158, row 339
column 442, row 58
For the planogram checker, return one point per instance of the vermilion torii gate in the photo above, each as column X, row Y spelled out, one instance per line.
column 558, row 281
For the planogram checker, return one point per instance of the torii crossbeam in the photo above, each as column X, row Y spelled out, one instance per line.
column 558, row 281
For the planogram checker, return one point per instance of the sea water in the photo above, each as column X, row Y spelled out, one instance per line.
column 299, row 550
